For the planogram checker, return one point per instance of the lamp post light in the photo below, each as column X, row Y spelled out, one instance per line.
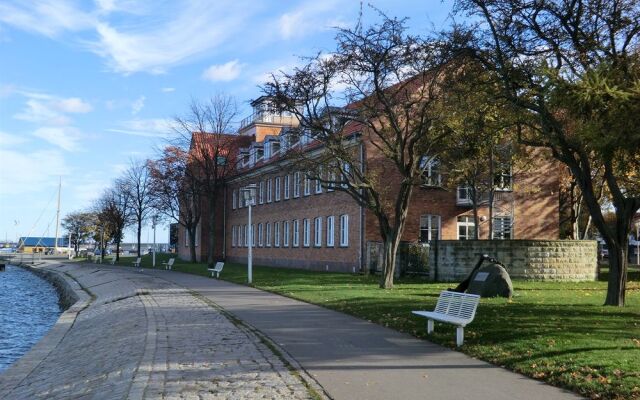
column 638, row 243
column 249, row 197
column 154, row 223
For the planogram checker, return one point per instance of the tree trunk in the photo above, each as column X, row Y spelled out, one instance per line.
column 211, row 242
column 192, row 243
column 139, row 235
column 476, row 219
column 389, row 253
column 117, row 250
column 617, row 275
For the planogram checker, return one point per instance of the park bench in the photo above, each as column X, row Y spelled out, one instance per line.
column 216, row 269
column 136, row 263
column 454, row 308
column 169, row 264
column 112, row 261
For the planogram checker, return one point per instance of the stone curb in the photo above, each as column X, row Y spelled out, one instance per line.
column 69, row 291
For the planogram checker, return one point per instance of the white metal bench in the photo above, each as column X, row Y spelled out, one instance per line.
column 136, row 263
column 169, row 264
column 113, row 260
column 216, row 269
column 455, row 308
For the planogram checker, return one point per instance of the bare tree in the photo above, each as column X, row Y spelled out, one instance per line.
column 137, row 180
column 373, row 98
column 176, row 192
column 204, row 133
column 571, row 68
column 114, row 212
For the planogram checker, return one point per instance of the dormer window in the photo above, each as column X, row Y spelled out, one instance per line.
column 267, row 150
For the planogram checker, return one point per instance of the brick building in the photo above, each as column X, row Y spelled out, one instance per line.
column 298, row 222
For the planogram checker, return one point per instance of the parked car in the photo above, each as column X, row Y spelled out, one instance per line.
column 106, row 252
column 604, row 252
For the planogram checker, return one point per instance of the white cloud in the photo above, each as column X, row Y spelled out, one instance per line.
column 73, row 105
column 137, row 105
column 310, row 16
column 223, row 72
column 40, row 112
column 195, row 28
column 23, row 171
column 42, row 108
column 168, row 89
column 67, row 138
column 9, row 140
column 152, row 127
column 47, row 17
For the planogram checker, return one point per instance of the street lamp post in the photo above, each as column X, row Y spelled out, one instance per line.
column 638, row 243
column 248, row 193
column 154, row 222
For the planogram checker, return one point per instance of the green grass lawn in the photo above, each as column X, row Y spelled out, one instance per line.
column 556, row 332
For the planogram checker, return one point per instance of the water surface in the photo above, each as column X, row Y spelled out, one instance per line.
column 28, row 309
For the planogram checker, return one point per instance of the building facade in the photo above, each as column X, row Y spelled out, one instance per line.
column 299, row 222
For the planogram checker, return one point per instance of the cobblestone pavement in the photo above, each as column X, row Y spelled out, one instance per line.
column 141, row 337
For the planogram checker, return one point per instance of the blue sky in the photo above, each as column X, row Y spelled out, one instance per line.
column 85, row 87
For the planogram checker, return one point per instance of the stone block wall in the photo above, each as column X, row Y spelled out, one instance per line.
column 552, row 260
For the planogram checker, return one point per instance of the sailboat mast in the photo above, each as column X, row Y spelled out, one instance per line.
column 58, row 216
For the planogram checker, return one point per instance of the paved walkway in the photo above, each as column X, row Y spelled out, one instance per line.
column 354, row 359
column 136, row 336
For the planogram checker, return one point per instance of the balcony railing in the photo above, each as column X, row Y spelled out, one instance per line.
column 267, row 117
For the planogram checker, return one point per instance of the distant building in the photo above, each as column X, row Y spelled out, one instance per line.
column 31, row 244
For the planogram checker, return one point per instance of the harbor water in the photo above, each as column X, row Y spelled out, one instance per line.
column 28, row 309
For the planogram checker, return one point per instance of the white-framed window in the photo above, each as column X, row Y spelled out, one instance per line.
column 295, row 242
column 296, row 184
column 502, row 228
column 253, row 235
column 306, row 233
column 344, row 230
column 246, row 236
column 261, row 192
column 307, row 185
column 464, row 196
column 346, row 175
column 331, row 178
column 267, row 149
column 285, row 234
column 239, row 243
column 276, row 234
column 466, row 228
column 277, row 188
column 331, row 233
column 269, row 190
column 234, row 197
column 260, row 235
column 429, row 227
column 267, row 234
column 234, row 238
column 317, row 232
column 430, row 167
column 286, row 187
column 503, row 179
column 319, row 182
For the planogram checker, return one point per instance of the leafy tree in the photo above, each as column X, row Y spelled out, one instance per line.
column 480, row 140
column 79, row 226
column 372, row 98
column 573, row 70
column 176, row 191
